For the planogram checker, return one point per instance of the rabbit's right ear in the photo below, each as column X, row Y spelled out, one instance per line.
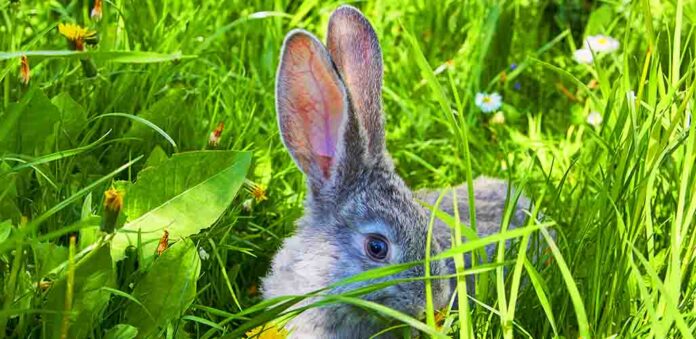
column 312, row 106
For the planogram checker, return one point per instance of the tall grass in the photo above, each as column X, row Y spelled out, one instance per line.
column 613, row 254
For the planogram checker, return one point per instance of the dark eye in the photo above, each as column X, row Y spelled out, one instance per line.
column 376, row 247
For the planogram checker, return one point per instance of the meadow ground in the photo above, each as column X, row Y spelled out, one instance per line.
column 114, row 125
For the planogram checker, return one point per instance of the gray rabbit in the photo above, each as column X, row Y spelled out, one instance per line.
column 359, row 214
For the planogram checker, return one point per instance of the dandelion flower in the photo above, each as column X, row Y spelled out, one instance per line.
column 594, row 119
column 488, row 102
column 601, row 44
column 583, row 56
column 257, row 191
column 203, row 254
column 270, row 331
column 440, row 317
column 497, row 119
column 76, row 35
column 24, row 70
column 113, row 203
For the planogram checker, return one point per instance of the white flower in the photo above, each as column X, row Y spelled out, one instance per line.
column 498, row 118
column 594, row 119
column 203, row 254
column 488, row 102
column 601, row 43
column 583, row 56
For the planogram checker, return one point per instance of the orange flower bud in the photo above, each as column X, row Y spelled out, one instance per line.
column 214, row 139
column 96, row 13
column 163, row 243
column 25, row 71
column 113, row 203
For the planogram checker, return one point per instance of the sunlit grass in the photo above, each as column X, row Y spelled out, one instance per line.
column 609, row 248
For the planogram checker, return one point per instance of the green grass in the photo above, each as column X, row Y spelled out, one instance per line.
column 620, row 198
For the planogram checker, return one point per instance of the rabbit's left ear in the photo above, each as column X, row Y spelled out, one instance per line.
column 355, row 50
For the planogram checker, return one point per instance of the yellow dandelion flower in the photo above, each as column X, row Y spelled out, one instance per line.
column 257, row 191
column 113, row 203
column 268, row 332
column 113, row 200
column 76, row 35
column 440, row 317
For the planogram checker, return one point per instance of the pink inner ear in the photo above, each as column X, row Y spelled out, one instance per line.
column 317, row 100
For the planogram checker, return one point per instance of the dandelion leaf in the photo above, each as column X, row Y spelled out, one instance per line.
column 184, row 194
column 28, row 125
column 121, row 331
column 166, row 290
column 89, row 298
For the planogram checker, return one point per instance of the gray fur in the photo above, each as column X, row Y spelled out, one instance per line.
column 365, row 195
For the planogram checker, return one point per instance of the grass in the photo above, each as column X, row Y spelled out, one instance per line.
column 618, row 200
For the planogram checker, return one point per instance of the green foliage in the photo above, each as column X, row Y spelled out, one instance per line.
column 183, row 195
column 619, row 196
column 92, row 273
column 121, row 331
column 167, row 289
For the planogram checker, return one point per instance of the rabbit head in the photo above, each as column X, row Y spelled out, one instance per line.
column 359, row 214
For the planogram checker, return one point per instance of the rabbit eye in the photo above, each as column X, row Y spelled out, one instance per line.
column 376, row 247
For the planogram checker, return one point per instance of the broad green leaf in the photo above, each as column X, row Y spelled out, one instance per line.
column 48, row 256
column 28, row 124
column 167, row 290
column 89, row 299
column 157, row 156
column 184, row 194
column 73, row 119
column 121, row 331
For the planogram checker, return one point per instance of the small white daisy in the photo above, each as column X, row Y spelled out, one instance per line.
column 488, row 102
column 583, row 56
column 594, row 119
column 203, row 254
column 498, row 118
column 601, row 43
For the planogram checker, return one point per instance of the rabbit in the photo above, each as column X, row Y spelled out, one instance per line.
column 359, row 214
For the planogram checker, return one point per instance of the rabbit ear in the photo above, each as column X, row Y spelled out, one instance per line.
column 354, row 48
column 312, row 105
